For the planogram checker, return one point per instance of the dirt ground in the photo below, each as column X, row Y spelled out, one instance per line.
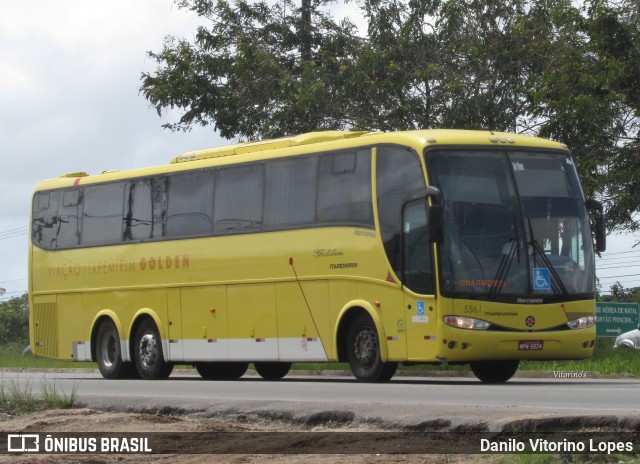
column 92, row 421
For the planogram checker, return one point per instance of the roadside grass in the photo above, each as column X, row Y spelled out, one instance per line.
column 11, row 357
column 16, row 399
column 564, row 458
column 605, row 361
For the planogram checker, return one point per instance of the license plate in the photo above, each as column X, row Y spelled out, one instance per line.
column 530, row 345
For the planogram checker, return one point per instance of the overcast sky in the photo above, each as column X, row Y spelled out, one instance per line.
column 69, row 101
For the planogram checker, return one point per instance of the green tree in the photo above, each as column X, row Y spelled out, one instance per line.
column 260, row 70
column 14, row 320
column 620, row 294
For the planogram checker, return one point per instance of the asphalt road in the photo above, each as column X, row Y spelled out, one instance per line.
column 427, row 402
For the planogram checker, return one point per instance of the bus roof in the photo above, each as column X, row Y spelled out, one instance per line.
column 309, row 143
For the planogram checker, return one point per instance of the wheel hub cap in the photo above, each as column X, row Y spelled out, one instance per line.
column 148, row 350
column 365, row 347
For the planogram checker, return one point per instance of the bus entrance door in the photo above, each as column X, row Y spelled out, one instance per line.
column 421, row 326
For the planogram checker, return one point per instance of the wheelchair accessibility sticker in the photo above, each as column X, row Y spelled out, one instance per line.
column 541, row 278
column 421, row 316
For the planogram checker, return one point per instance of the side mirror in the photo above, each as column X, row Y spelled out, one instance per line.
column 599, row 228
column 435, row 215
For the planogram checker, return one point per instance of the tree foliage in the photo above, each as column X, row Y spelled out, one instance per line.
column 555, row 68
column 620, row 294
column 14, row 320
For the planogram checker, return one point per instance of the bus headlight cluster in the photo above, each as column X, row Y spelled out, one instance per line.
column 469, row 323
column 582, row 323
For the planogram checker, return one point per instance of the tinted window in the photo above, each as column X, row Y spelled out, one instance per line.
column 238, row 199
column 46, row 222
column 138, row 210
column 344, row 189
column 159, row 207
column 399, row 178
column 418, row 268
column 290, row 194
column 102, row 221
column 324, row 190
column 190, row 204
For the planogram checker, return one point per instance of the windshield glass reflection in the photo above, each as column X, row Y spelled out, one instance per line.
column 514, row 224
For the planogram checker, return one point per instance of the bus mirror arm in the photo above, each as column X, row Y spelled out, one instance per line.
column 434, row 213
column 600, row 232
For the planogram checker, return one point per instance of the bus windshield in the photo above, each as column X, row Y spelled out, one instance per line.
column 514, row 225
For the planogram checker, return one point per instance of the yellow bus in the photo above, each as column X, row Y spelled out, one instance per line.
column 428, row 246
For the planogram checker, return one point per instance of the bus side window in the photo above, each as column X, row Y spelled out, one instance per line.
column 398, row 178
column 159, row 207
column 190, row 204
column 344, row 189
column 290, row 192
column 138, row 210
column 102, row 214
column 418, row 268
column 69, row 216
column 46, row 222
column 239, row 191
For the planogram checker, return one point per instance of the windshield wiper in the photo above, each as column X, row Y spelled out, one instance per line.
column 556, row 282
column 505, row 262
column 503, row 268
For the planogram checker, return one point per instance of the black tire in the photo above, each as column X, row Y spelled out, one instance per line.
column 363, row 352
column 495, row 371
column 147, row 352
column 222, row 370
column 109, row 354
column 272, row 370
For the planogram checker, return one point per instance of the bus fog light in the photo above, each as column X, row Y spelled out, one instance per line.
column 469, row 323
column 582, row 322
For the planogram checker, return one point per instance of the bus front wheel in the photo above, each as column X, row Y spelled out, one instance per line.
column 147, row 352
column 272, row 370
column 109, row 356
column 363, row 352
column 495, row 371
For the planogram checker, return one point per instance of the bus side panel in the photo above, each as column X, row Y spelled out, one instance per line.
column 252, row 322
column 73, row 333
column 204, row 323
column 303, row 321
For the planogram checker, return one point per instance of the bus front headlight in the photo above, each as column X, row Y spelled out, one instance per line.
column 582, row 322
column 468, row 323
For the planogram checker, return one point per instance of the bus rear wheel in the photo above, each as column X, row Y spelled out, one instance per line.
column 363, row 352
column 147, row 352
column 221, row 370
column 109, row 354
column 495, row 371
column 272, row 370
